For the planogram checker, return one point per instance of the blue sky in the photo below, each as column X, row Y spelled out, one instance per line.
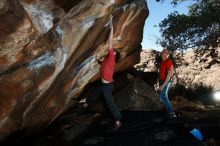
column 157, row 12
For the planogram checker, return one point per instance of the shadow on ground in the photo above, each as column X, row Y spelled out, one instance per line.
column 140, row 128
column 149, row 129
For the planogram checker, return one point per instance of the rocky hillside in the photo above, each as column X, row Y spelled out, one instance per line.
column 48, row 50
column 190, row 69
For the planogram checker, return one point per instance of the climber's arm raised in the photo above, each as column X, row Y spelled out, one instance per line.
column 110, row 39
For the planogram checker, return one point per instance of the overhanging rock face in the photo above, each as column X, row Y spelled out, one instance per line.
column 48, row 50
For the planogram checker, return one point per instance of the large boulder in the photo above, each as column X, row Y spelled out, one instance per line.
column 130, row 93
column 48, row 50
column 136, row 95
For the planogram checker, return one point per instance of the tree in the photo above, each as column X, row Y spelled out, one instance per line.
column 199, row 29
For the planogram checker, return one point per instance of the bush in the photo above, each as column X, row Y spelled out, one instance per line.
column 194, row 92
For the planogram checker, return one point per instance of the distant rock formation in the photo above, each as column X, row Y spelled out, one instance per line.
column 190, row 68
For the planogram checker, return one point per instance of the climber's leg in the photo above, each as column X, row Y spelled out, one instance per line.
column 96, row 93
column 107, row 89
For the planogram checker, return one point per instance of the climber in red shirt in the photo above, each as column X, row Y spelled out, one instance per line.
column 164, row 81
column 106, row 86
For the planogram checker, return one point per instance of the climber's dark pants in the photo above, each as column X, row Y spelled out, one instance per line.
column 105, row 89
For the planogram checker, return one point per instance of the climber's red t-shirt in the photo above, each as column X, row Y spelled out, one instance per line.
column 165, row 66
column 108, row 66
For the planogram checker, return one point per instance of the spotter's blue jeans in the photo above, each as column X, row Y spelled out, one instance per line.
column 164, row 97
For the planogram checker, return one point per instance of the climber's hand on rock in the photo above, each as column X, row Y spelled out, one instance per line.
column 111, row 17
column 110, row 25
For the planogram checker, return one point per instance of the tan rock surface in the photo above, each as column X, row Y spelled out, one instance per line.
column 48, row 50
